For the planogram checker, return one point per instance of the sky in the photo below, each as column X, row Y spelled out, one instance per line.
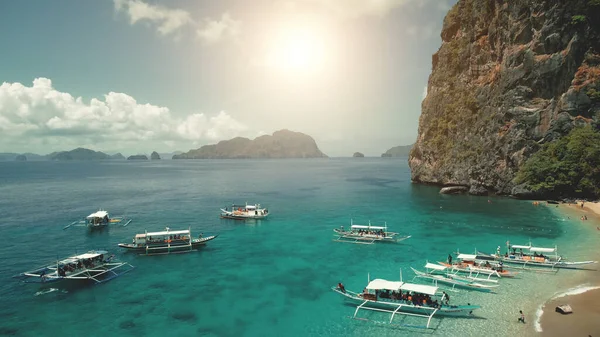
column 135, row 76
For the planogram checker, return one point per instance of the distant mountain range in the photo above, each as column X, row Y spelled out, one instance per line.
column 282, row 144
column 398, row 151
column 75, row 154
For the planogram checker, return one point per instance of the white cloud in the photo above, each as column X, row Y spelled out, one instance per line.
column 40, row 114
column 171, row 20
column 167, row 20
column 214, row 30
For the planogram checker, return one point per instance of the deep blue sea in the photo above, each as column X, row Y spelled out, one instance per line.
column 258, row 278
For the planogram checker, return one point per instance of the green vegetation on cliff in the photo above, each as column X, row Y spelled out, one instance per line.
column 567, row 167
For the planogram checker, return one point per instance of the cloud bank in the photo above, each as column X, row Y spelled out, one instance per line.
column 40, row 116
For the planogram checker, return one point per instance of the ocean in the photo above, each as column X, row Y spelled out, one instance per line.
column 260, row 278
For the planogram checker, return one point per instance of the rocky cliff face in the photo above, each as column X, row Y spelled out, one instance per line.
column 509, row 76
column 282, row 144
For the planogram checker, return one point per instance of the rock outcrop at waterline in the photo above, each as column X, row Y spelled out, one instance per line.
column 282, row 144
column 509, row 76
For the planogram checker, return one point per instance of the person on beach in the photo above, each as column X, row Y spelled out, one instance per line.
column 522, row 318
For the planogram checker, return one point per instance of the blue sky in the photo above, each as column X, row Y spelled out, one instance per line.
column 135, row 76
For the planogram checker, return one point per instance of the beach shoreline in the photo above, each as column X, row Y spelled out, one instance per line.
column 583, row 298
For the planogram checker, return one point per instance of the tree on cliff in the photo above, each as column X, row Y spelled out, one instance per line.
column 566, row 167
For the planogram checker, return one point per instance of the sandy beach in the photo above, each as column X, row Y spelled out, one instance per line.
column 585, row 302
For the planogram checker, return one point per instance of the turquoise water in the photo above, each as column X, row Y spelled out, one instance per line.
column 258, row 278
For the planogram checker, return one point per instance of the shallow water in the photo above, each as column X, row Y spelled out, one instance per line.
column 259, row 278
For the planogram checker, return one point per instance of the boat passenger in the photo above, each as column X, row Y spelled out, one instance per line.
column 341, row 287
column 449, row 259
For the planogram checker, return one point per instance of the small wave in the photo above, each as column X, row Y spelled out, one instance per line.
column 571, row 291
column 575, row 291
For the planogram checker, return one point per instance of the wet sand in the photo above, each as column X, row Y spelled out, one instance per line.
column 585, row 319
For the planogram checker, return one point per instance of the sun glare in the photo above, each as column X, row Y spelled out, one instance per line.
column 298, row 50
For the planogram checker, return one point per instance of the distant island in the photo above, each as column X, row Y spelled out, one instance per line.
column 138, row 157
column 398, row 151
column 78, row 154
column 282, row 144
column 14, row 156
column 358, row 155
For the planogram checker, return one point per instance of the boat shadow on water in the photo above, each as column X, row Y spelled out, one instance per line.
column 402, row 322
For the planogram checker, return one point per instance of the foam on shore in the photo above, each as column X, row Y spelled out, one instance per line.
column 570, row 292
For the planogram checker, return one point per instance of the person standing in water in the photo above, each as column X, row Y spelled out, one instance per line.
column 522, row 317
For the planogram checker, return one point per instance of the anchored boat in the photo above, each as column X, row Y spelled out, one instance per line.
column 441, row 274
column 243, row 212
column 367, row 234
column 95, row 266
column 530, row 256
column 476, row 267
column 99, row 219
column 402, row 298
column 166, row 242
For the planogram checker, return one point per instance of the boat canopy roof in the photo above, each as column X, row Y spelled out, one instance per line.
column 434, row 266
column 520, row 246
column 419, row 288
column 542, row 250
column 380, row 284
column 99, row 214
column 367, row 227
column 246, row 206
column 88, row 255
column 185, row 231
column 467, row 257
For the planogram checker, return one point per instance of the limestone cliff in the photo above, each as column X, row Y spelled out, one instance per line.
column 282, row 144
column 509, row 76
column 154, row 156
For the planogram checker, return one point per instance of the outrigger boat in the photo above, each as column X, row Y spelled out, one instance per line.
column 405, row 299
column 367, row 234
column 166, row 242
column 95, row 266
column 534, row 257
column 99, row 219
column 475, row 267
column 243, row 212
column 441, row 274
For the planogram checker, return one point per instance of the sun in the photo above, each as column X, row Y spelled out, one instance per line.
column 298, row 50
